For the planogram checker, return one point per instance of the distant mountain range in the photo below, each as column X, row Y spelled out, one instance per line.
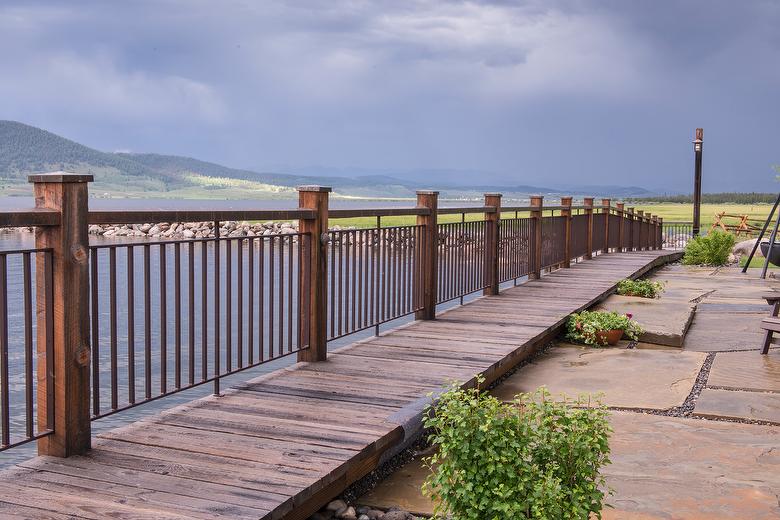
column 26, row 149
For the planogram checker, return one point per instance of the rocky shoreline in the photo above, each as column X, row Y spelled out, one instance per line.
column 189, row 230
column 186, row 230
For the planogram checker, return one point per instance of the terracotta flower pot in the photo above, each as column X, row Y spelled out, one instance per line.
column 610, row 336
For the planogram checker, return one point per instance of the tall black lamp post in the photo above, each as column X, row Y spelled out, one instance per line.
column 697, row 145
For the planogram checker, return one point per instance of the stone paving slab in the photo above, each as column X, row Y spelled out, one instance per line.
column 725, row 331
column 662, row 468
column 664, row 319
column 673, row 468
column 629, row 378
column 738, row 404
column 746, row 371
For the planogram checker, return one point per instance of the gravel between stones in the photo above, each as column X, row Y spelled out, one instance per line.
column 687, row 408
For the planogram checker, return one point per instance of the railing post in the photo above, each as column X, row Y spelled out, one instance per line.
column 588, row 203
column 536, row 215
column 430, row 256
column 605, row 204
column 314, row 282
column 660, row 233
column 650, row 230
column 641, row 218
column 622, row 227
column 492, row 242
column 69, row 298
column 566, row 212
column 630, row 220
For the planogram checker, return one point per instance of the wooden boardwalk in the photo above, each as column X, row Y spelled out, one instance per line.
column 282, row 445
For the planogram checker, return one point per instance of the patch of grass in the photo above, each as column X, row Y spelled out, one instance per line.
column 670, row 211
column 756, row 263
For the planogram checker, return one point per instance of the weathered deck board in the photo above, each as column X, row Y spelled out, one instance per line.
column 281, row 445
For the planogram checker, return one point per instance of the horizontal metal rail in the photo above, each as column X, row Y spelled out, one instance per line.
column 384, row 212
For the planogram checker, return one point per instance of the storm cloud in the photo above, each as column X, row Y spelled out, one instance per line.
column 539, row 92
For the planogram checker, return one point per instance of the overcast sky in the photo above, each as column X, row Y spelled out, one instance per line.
column 540, row 92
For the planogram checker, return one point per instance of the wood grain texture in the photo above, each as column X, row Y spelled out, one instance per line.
column 69, row 367
column 282, row 445
column 314, row 282
column 430, row 201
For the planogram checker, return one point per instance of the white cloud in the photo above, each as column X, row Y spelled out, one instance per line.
column 94, row 84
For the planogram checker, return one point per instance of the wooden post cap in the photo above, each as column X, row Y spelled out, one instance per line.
column 606, row 202
column 536, row 200
column 620, row 205
column 566, row 201
column 60, row 177
column 427, row 192
column 315, row 188
column 587, row 201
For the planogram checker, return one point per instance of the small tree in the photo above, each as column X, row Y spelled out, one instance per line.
column 533, row 458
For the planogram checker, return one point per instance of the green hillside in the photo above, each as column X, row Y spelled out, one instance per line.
column 25, row 150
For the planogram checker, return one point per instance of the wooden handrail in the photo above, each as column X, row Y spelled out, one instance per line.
column 29, row 217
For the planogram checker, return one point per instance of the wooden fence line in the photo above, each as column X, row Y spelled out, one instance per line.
column 377, row 275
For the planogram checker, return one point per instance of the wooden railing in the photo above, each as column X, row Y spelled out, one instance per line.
column 124, row 323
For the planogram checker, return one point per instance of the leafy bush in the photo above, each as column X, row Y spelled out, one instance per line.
column 641, row 288
column 533, row 458
column 584, row 327
column 711, row 249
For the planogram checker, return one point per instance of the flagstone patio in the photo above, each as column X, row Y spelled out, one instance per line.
column 705, row 451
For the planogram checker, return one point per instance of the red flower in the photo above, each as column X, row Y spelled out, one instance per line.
column 629, row 315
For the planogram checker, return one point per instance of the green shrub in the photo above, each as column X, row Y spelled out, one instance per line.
column 583, row 327
column 533, row 458
column 641, row 288
column 712, row 249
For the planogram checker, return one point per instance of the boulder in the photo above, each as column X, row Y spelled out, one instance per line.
column 744, row 247
column 337, row 506
column 397, row 514
column 348, row 514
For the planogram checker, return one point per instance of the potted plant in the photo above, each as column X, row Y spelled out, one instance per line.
column 601, row 328
column 640, row 288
